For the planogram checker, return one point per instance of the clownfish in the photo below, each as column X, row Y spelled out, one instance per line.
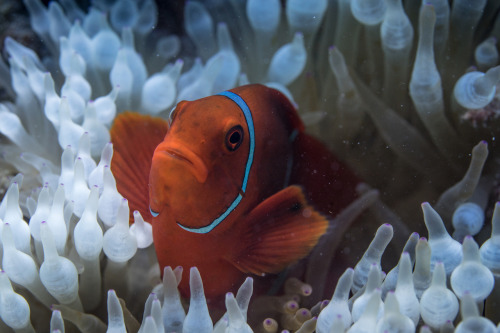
column 231, row 184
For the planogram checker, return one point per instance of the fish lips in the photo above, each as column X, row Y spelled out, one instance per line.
column 180, row 153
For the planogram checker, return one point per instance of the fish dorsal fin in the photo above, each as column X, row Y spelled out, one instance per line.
column 135, row 137
column 279, row 231
column 258, row 96
column 327, row 182
column 291, row 115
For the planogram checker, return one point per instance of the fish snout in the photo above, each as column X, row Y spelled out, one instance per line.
column 193, row 162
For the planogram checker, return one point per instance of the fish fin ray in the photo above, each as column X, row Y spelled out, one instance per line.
column 135, row 137
column 279, row 231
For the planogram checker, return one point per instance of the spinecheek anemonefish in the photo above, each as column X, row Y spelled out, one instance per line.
column 231, row 184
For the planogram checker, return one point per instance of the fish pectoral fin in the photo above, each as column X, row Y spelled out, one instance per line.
column 279, row 231
column 135, row 137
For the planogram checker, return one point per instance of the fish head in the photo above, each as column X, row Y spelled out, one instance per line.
column 197, row 171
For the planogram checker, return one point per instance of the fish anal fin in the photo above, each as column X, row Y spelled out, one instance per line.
column 279, row 231
column 135, row 137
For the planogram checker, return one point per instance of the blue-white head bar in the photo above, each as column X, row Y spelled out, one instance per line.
column 248, row 117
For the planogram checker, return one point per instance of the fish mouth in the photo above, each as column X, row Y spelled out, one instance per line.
column 178, row 155
column 194, row 163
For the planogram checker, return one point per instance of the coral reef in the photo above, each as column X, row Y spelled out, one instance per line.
column 403, row 96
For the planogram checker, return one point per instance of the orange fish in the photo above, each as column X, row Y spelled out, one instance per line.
column 230, row 183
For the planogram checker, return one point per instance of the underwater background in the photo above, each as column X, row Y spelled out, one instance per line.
column 403, row 92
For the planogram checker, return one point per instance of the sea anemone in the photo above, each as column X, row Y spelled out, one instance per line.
column 402, row 92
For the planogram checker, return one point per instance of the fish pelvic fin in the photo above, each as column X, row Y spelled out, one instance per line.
column 135, row 137
column 278, row 232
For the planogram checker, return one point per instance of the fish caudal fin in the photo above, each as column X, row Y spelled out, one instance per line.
column 279, row 231
column 135, row 137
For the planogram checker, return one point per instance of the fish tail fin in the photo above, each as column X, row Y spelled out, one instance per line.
column 279, row 231
column 135, row 137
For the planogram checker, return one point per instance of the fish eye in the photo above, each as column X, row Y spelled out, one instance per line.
column 234, row 138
